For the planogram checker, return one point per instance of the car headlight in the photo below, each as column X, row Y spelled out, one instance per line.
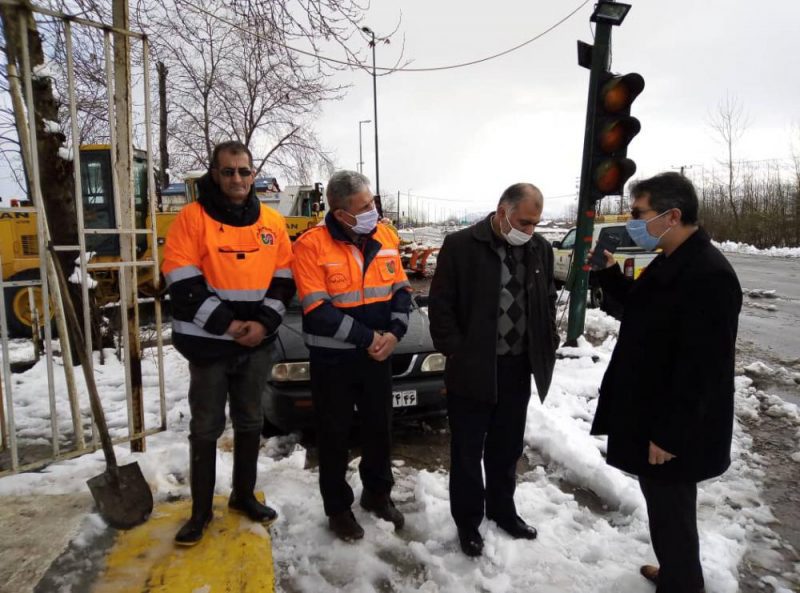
column 290, row 371
column 433, row 363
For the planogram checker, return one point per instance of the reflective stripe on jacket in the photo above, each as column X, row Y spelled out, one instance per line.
column 217, row 273
column 349, row 291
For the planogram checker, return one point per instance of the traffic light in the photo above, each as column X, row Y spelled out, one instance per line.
column 614, row 129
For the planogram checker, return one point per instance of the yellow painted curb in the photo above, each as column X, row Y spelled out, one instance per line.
column 235, row 554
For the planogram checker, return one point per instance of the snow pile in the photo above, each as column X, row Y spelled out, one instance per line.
column 591, row 518
column 734, row 247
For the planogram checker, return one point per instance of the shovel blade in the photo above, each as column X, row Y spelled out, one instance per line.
column 123, row 499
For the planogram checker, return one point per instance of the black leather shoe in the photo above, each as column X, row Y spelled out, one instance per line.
column 517, row 528
column 649, row 572
column 382, row 506
column 345, row 526
column 471, row 541
column 192, row 531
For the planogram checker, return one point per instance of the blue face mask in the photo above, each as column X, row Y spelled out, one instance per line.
column 637, row 229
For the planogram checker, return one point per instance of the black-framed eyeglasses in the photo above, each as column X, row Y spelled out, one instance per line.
column 636, row 213
column 230, row 172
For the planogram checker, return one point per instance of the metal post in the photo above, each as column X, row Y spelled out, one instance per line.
column 151, row 199
column 8, row 427
column 76, row 160
column 44, row 268
column 126, row 220
column 578, row 280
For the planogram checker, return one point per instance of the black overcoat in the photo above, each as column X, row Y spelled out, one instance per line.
column 464, row 304
column 670, row 378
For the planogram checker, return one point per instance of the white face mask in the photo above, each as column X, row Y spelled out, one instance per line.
column 365, row 222
column 514, row 236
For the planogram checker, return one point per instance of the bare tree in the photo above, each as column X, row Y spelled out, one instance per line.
column 237, row 72
column 730, row 123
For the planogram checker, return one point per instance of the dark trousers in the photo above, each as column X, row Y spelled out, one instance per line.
column 672, row 511
column 336, row 390
column 240, row 379
column 492, row 433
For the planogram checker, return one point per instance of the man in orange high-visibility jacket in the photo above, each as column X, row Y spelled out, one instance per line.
column 356, row 301
column 228, row 267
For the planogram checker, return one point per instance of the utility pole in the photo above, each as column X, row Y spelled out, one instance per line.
column 370, row 32
column 360, row 151
column 162, row 123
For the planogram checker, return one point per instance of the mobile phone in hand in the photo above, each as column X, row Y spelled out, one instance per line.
column 605, row 243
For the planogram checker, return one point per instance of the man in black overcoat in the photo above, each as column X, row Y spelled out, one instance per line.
column 492, row 311
column 666, row 400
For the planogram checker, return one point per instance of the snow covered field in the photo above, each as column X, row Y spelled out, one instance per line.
column 581, row 547
column 733, row 247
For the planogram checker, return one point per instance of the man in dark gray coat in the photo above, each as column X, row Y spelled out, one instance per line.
column 666, row 401
column 492, row 311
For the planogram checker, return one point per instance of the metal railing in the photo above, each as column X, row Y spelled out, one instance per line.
column 10, row 441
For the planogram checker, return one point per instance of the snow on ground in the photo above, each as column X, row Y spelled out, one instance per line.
column 734, row 247
column 581, row 547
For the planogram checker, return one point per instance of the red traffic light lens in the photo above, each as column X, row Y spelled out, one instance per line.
column 619, row 92
column 611, row 175
column 607, row 177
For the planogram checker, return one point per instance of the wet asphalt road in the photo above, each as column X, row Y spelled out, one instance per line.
column 772, row 324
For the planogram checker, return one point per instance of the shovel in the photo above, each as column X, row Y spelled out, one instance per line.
column 121, row 494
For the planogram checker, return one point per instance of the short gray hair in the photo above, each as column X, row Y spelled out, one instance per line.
column 342, row 185
column 514, row 194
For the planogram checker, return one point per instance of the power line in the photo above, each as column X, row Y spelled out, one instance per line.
column 386, row 70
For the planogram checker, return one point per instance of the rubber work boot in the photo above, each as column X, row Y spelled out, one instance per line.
column 382, row 506
column 202, row 468
column 245, row 464
column 345, row 526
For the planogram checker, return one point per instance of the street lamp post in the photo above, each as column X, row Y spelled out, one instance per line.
column 370, row 32
column 360, row 152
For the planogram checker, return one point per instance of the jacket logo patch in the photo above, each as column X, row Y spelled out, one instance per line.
column 267, row 236
column 390, row 267
column 337, row 280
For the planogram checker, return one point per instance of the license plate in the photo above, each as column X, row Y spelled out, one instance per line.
column 402, row 399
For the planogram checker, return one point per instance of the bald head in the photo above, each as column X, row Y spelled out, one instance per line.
column 518, row 192
column 520, row 207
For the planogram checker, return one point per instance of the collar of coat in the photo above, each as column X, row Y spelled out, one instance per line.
column 668, row 268
column 220, row 208
column 483, row 231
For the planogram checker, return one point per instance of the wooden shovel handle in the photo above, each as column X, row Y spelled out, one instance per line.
column 77, row 331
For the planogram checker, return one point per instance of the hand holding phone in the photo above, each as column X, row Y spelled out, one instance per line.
column 605, row 243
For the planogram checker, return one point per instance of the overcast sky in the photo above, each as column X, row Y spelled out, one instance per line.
column 468, row 133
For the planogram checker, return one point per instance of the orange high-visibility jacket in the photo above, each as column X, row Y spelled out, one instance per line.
column 217, row 273
column 347, row 291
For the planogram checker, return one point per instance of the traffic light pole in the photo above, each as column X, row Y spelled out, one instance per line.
column 578, row 279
